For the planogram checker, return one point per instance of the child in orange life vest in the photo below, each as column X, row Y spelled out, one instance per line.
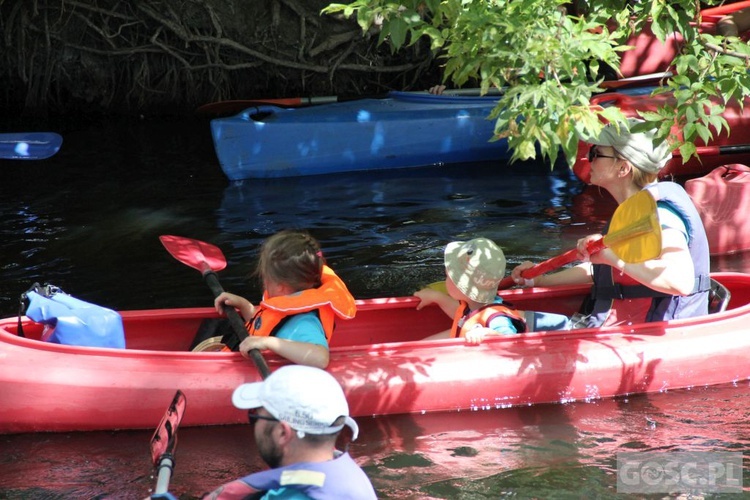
column 473, row 271
column 302, row 296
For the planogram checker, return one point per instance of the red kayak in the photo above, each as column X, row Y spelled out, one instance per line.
column 650, row 55
column 379, row 359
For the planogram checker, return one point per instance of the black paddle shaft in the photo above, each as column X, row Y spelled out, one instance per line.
column 238, row 326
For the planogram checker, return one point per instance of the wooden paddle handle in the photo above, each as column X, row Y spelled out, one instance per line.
column 235, row 321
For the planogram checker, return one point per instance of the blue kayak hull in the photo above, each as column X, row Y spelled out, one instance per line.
column 404, row 130
column 29, row 145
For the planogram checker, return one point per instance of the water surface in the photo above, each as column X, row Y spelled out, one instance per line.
column 88, row 220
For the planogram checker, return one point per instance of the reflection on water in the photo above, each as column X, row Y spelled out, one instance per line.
column 545, row 451
column 89, row 218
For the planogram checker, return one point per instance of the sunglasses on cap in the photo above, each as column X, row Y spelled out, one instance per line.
column 594, row 154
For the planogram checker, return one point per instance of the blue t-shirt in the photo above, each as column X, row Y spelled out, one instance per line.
column 303, row 327
column 670, row 218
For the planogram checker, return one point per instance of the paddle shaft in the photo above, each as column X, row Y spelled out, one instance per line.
column 166, row 465
column 312, row 101
column 551, row 264
column 236, row 322
column 235, row 106
column 723, row 10
column 164, row 442
column 468, row 92
column 734, row 149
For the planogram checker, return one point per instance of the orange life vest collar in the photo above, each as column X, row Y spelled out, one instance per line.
column 465, row 320
column 330, row 299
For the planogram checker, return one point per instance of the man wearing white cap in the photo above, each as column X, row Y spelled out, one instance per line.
column 298, row 412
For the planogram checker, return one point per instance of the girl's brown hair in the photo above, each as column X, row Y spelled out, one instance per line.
column 291, row 257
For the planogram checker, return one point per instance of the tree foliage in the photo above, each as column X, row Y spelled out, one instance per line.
column 169, row 56
column 549, row 58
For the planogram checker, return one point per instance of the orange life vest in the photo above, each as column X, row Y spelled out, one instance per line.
column 465, row 319
column 331, row 299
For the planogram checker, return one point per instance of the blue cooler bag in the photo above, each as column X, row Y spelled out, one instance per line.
column 72, row 321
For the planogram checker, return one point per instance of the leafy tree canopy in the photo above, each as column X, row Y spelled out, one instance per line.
column 548, row 56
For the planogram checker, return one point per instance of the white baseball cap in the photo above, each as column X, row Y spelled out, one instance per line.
column 309, row 399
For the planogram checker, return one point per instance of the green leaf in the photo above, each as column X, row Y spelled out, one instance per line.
column 687, row 150
column 398, row 29
column 546, row 61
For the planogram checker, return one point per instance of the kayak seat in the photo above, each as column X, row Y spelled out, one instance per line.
column 718, row 297
column 209, row 334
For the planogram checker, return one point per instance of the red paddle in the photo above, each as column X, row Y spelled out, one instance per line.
column 723, row 10
column 729, row 149
column 208, row 259
column 164, row 442
column 235, row 106
column 551, row 264
column 634, row 235
column 222, row 108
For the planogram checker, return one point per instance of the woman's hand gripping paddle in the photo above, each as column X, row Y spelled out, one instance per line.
column 163, row 444
column 208, row 259
column 634, row 235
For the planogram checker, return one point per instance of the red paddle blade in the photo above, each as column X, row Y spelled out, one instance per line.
column 194, row 253
column 164, row 439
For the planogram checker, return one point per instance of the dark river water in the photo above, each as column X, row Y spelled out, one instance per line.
column 88, row 220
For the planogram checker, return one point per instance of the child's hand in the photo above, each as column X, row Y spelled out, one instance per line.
column 428, row 296
column 244, row 306
column 253, row 342
column 475, row 336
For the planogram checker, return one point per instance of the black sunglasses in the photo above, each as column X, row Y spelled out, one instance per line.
column 252, row 416
column 594, row 154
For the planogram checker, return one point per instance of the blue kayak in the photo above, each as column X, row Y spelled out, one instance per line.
column 29, row 145
column 403, row 130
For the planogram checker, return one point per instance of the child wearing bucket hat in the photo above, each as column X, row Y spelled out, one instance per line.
column 473, row 272
column 297, row 413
